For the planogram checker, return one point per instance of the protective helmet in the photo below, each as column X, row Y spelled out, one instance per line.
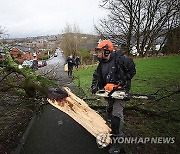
column 106, row 45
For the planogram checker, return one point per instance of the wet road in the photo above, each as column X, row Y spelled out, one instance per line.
column 55, row 69
column 54, row 132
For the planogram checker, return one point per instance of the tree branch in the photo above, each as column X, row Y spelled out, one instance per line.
column 6, row 76
column 163, row 115
column 174, row 92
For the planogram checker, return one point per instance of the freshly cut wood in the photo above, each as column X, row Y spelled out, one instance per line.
column 79, row 110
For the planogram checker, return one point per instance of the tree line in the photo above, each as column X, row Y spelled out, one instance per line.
column 142, row 23
column 78, row 44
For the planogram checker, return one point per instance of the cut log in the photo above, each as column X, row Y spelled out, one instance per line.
column 79, row 110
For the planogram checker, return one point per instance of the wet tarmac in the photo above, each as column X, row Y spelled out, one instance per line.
column 54, row 132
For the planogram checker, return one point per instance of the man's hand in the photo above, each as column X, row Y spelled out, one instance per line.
column 94, row 89
column 121, row 83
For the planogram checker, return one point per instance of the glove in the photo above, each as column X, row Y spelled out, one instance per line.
column 94, row 90
column 121, row 83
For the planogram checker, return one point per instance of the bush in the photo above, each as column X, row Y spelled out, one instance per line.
column 86, row 57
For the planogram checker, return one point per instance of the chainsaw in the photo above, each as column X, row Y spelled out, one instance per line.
column 120, row 94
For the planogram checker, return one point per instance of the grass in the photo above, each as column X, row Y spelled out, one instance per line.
column 152, row 74
column 155, row 73
column 160, row 75
column 83, row 78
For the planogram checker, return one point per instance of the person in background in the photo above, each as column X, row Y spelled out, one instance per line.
column 77, row 61
column 70, row 61
column 114, row 72
column 35, row 62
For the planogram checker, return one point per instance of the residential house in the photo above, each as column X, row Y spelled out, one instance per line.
column 17, row 54
column 21, row 53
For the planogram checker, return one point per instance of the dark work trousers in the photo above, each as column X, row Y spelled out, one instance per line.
column 114, row 109
column 70, row 71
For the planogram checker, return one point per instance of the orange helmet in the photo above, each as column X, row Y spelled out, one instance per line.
column 106, row 44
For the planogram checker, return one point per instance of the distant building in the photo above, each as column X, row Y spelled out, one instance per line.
column 21, row 54
column 17, row 54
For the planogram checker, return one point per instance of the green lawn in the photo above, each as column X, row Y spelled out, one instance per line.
column 156, row 73
column 152, row 74
column 161, row 75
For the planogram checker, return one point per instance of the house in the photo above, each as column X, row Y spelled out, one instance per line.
column 17, row 54
column 21, row 53
column 134, row 51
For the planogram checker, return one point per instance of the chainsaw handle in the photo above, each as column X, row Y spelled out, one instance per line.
column 110, row 93
column 117, row 87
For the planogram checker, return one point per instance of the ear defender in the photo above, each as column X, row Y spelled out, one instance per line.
column 106, row 50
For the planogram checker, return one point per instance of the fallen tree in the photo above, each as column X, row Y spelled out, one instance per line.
column 77, row 109
column 29, row 81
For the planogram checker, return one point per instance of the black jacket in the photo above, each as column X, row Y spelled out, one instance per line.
column 122, row 74
column 70, row 62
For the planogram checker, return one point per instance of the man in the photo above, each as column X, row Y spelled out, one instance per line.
column 71, row 63
column 114, row 72
column 77, row 61
column 35, row 62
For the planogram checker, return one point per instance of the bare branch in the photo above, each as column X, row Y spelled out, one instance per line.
column 141, row 20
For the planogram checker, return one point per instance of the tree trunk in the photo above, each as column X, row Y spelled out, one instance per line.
column 77, row 109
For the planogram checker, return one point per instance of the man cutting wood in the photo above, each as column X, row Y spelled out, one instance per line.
column 114, row 72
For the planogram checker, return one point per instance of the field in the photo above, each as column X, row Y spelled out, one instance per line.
column 159, row 76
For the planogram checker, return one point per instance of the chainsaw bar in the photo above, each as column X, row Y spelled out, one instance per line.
column 122, row 95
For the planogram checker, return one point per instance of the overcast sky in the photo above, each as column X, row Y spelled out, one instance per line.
column 23, row 18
